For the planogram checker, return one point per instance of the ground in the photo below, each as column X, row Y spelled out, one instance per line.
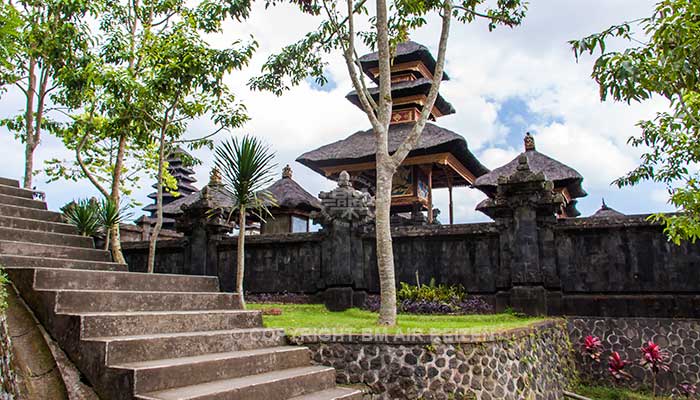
column 307, row 318
column 606, row 393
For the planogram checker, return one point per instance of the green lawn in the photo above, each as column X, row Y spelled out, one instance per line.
column 607, row 393
column 314, row 318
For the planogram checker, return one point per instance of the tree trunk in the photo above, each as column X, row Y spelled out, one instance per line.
column 159, row 206
column 240, row 254
column 115, row 237
column 385, row 252
column 29, row 126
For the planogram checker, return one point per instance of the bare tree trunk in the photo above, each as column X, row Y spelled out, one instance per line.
column 116, row 181
column 241, row 255
column 385, row 252
column 159, row 204
column 29, row 126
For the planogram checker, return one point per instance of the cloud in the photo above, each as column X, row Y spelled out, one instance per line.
column 532, row 63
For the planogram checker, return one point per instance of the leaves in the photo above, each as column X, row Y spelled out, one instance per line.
column 665, row 63
column 246, row 165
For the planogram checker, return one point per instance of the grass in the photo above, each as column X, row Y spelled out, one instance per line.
column 609, row 393
column 314, row 318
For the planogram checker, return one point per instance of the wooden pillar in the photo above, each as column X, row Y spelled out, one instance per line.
column 452, row 217
column 430, row 195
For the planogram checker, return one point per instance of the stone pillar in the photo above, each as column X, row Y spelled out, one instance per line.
column 524, row 209
column 345, row 214
column 204, row 223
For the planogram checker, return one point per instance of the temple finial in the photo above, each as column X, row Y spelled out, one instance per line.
column 287, row 172
column 604, row 206
column 215, row 177
column 529, row 142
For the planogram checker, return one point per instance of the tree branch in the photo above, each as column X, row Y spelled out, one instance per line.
column 412, row 139
column 87, row 173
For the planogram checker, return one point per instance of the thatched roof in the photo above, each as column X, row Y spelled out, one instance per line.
column 216, row 193
column 404, row 89
column 561, row 175
column 607, row 212
column 407, row 51
column 360, row 147
column 290, row 195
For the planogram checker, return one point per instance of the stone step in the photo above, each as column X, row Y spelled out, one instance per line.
column 77, row 301
column 164, row 374
column 30, row 213
column 15, row 191
column 47, row 278
column 156, row 322
column 36, row 225
column 47, row 250
column 338, row 393
column 22, row 202
column 9, row 182
column 16, row 261
column 277, row 385
column 127, row 349
column 39, row 237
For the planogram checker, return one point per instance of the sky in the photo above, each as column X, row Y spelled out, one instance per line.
column 503, row 84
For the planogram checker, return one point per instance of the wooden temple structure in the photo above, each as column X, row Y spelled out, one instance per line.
column 440, row 160
column 566, row 180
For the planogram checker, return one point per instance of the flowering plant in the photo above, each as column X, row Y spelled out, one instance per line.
column 685, row 390
column 616, row 367
column 592, row 347
column 654, row 358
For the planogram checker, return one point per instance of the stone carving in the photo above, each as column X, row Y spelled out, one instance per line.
column 345, row 204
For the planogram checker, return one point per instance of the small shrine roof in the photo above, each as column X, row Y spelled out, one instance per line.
column 404, row 89
column 405, row 52
column 290, row 195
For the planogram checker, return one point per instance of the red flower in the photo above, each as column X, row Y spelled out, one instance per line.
column 616, row 366
column 592, row 347
column 654, row 357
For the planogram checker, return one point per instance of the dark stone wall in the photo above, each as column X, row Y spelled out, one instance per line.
column 587, row 266
column 527, row 363
column 679, row 337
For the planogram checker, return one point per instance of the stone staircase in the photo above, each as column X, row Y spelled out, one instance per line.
column 147, row 336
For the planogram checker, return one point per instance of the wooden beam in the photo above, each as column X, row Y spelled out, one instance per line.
column 430, row 197
column 459, row 168
column 440, row 158
column 417, row 66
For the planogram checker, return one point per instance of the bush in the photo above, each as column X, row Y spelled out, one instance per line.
column 433, row 299
column 4, row 281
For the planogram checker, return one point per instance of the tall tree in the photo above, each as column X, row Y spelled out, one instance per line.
column 391, row 24
column 149, row 74
column 663, row 61
column 246, row 165
column 52, row 34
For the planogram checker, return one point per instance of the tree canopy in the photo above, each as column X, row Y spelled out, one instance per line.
column 663, row 60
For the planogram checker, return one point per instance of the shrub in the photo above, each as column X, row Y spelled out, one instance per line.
column 4, row 281
column 592, row 347
column 433, row 299
column 616, row 367
column 84, row 215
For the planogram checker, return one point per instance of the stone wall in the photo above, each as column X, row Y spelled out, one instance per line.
column 680, row 337
column 529, row 363
column 8, row 380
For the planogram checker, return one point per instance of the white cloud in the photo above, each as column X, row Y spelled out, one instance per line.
column 532, row 62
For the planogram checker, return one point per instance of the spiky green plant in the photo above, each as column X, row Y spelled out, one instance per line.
column 84, row 215
column 246, row 165
column 111, row 215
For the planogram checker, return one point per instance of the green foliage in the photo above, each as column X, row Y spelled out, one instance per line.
column 84, row 215
column 664, row 62
column 4, row 282
column 246, row 165
column 609, row 393
column 92, row 217
column 310, row 318
column 9, row 35
column 436, row 293
column 306, row 57
column 149, row 73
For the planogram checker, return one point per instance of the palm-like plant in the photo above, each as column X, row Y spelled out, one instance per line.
column 84, row 215
column 246, row 165
column 111, row 215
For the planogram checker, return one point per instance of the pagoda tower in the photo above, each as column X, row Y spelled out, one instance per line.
column 184, row 177
column 441, row 159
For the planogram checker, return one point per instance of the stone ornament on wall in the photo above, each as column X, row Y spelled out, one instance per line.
column 345, row 205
